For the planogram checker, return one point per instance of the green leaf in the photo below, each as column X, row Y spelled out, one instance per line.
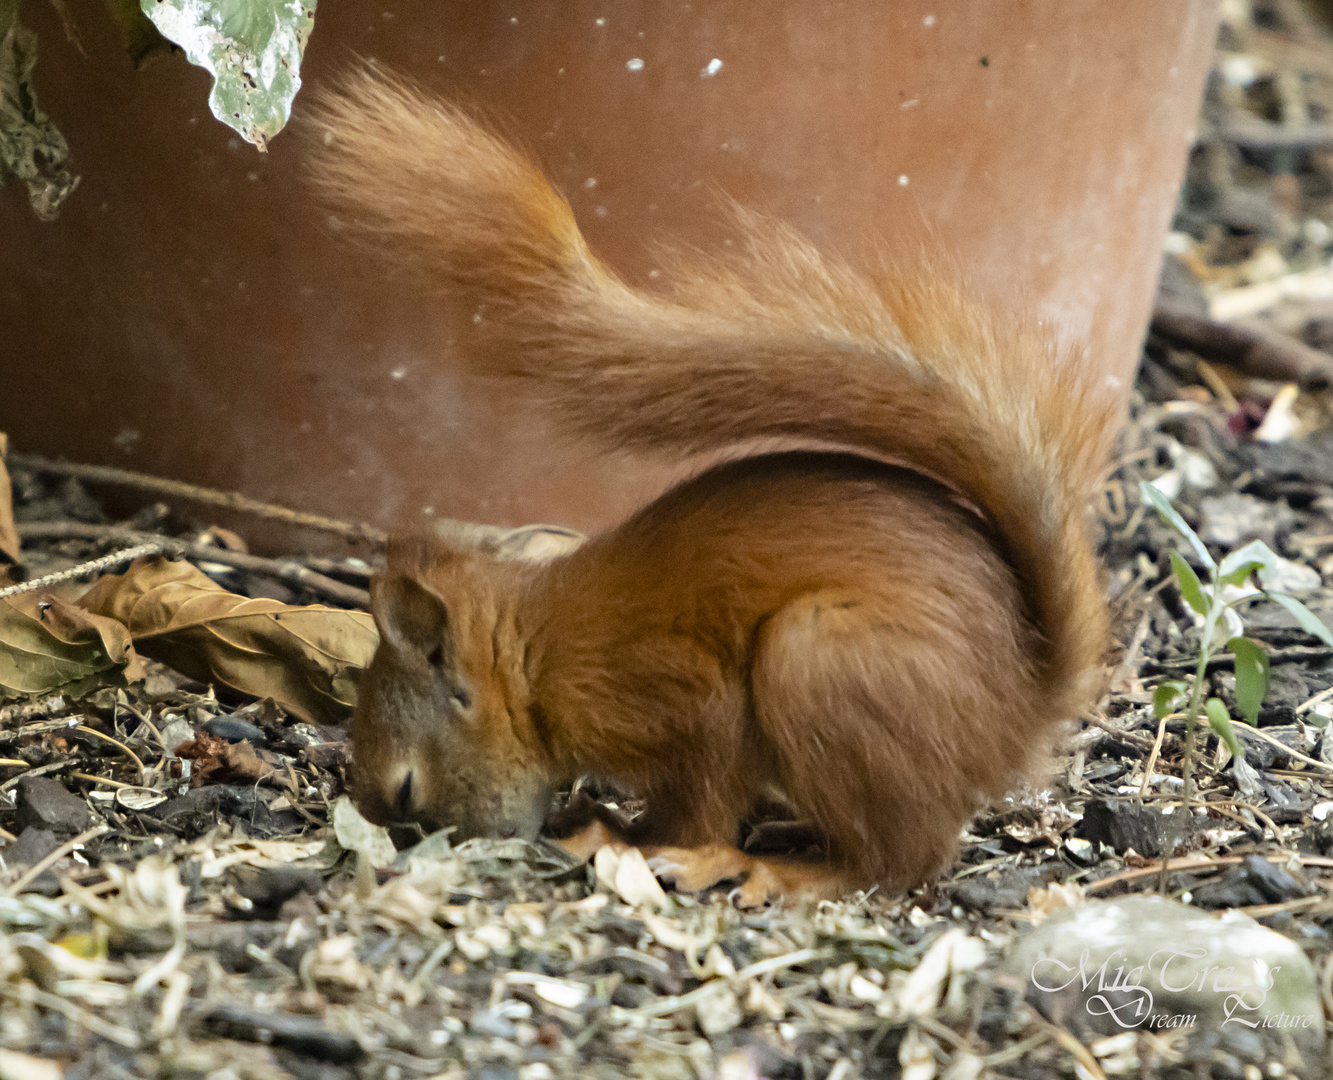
column 253, row 49
column 1239, row 564
column 1163, row 506
column 1188, row 581
column 31, row 149
column 1309, row 621
column 1220, row 721
column 1165, row 698
column 1252, row 677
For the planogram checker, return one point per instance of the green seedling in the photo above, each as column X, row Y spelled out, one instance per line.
column 1254, row 564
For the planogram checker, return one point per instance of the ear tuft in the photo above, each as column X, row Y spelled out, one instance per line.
column 411, row 617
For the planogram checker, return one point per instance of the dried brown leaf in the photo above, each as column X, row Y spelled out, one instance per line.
column 9, row 535
column 216, row 761
column 48, row 644
column 304, row 658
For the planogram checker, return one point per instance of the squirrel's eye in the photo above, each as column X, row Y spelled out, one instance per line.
column 461, row 696
column 405, row 798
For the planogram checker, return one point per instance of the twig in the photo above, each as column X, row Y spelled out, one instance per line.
column 334, row 566
column 41, row 770
column 777, row 963
column 943, row 1032
column 284, row 569
column 1235, row 815
column 64, row 849
column 1260, row 733
column 101, row 780
column 106, row 474
column 1263, row 911
column 1152, row 758
column 1131, row 737
column 114, row 742
column 152, row 547
column 1310, row 702
column 1012, row 1053
column 1079, row 1052
column 1224, row 661
column 111, row 1032
column 1260, row 352
column 1198, row 862
column 668, row 1005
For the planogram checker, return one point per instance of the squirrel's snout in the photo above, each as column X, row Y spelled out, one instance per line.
column 404, row 802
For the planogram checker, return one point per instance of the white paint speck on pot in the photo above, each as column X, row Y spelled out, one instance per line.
column 634, row 65
column 903, row 180
column 711, row 68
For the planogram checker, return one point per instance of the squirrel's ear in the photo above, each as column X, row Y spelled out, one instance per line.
column 411, row 616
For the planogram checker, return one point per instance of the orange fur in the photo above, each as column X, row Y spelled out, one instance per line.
column 844, row 630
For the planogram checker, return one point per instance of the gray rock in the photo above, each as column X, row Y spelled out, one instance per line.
column 31, row 847
column 44, row 803
column 1005, row 888
column 1122, row 824
column 1232, row 519
column 1254, row 881
column 1143, row 962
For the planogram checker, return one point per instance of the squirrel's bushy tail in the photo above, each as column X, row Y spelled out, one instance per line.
column 773, row 341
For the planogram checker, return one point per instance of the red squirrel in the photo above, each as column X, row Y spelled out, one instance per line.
column 882, row 630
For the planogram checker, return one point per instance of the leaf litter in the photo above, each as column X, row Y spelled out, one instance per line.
column 206, row 901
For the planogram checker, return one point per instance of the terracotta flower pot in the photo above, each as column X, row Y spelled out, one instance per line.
column 193, row 314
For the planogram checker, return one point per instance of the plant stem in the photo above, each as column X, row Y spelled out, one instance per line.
column 1187, row 771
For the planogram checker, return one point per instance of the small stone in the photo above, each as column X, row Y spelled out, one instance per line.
column 1150, row 964
column 1261, row 753
column 1006, row 888
column 271, row 887
column 490, row 1022
column 1232, row 519
column 1254, row 881
column 234, row 731
column 31, row 847
column 45, row 803
column 1122, row 825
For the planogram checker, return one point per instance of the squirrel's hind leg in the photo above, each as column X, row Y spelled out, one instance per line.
column 876, row 706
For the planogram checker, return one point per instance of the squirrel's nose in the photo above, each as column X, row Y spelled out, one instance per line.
column 404, row 805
